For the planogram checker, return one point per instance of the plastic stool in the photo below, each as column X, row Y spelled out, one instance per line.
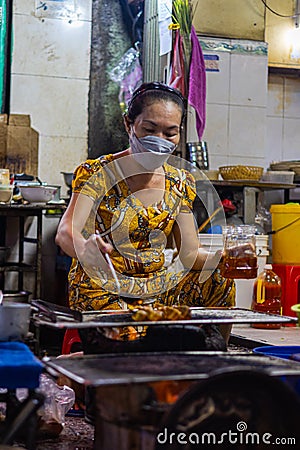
column 290, row 279
column 71, row 337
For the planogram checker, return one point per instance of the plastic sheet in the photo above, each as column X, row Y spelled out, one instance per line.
column 58, row 400
column 128, row 75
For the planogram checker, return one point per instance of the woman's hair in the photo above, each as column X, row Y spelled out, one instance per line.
column 149, row 92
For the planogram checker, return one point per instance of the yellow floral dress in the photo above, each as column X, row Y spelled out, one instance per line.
column 138, row 236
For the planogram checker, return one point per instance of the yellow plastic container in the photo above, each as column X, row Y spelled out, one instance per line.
column 286, row 239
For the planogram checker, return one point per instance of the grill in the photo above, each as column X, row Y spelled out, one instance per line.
column 62, row 317
column 140, row 367
column 134, row 393
column 134, row 398
column 200, row 332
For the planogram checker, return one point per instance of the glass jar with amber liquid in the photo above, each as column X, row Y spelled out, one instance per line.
column 267, row 296
column 239, row 255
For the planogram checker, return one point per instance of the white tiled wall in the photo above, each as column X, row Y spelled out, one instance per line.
column 50, row 81
column 236, row 102
column 250, row 118
column 283, row 126
column 283, row 118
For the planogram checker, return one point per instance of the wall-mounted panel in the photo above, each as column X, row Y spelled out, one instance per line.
column 242, row 19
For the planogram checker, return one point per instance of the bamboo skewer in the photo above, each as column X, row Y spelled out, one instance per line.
column 206, row 222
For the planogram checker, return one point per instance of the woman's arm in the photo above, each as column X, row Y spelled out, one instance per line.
column 191, row 254
column 69, row 233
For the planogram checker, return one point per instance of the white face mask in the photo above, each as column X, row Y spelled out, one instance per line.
column 150, row 152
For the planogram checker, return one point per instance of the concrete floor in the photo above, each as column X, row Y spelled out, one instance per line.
column 284, row 336
column 76, row 435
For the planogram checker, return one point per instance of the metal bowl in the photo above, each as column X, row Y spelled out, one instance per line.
column 38, row 194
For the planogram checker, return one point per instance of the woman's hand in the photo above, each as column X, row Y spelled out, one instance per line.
column 92, row 252
column 89, row 252
column 208, row 260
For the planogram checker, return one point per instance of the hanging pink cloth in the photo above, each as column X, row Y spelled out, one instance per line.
column 177, row 66
column 197, row 83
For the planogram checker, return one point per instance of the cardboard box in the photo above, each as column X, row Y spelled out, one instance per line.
column 18, row 144
column 22, row 120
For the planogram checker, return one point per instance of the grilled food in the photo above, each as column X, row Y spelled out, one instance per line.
column 147, row 313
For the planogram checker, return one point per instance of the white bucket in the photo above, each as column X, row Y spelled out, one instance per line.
column 244, row 288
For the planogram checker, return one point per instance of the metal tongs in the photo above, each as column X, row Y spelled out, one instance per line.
column 55, row 313
column 113, row 272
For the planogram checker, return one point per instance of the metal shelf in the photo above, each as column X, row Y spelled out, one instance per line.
column 249, row 190
column 17, row 267
column 22, row 212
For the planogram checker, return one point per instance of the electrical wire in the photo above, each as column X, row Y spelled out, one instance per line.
column 278, row 14
column 284, row 227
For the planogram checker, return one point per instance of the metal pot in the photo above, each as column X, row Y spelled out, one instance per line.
column 14, row 320
column 68, row 176
column 16, row 296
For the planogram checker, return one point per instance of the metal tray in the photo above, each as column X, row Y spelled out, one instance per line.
column 199, row 316
column 112, row 369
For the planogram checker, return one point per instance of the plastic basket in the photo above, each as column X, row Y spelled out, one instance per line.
column 239, row 172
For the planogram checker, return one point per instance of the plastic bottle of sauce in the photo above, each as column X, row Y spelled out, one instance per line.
column 267, row 296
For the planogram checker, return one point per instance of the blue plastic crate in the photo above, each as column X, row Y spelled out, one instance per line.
column 19, row 367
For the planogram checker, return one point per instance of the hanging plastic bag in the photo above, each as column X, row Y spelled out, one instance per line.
column 128, row 75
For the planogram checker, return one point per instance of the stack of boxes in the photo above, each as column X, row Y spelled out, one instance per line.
column 18, row 144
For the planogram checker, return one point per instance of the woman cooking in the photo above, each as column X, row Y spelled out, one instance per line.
column 126, row 206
